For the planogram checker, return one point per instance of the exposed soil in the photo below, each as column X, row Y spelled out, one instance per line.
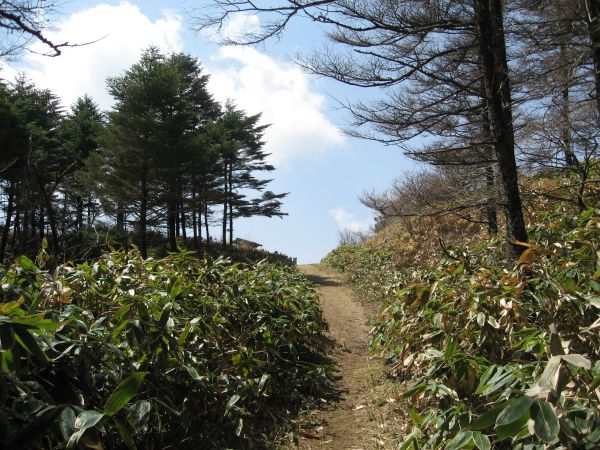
column 367, row 413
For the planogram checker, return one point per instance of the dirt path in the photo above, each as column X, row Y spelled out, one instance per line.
column 357, row 420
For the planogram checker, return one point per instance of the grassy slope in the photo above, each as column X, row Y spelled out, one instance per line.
column 473, row 334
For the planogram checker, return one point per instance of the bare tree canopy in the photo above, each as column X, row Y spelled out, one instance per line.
column 25, row 21
column 441, row 68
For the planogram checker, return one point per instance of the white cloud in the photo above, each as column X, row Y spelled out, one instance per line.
column 6, row 71
column 239, row 25
column 124, row 32
column 256, row 82
column 348, row 221
column 283, row 94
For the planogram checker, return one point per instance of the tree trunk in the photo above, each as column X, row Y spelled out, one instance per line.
column 194, row 211
column 120, row 218
column 49, row 209
column 9, row 213
column 206, row 228
column 593, row 10
column 41, row 222
column 144, row 212
column 79, row 204
column 492, row 46
column 565, row 109
column 182, row 222
column 89, row 211
column 17, row 224
column 26, row 222
column 569, row 154
column 225, row 208
column 231, row 205
column 172, row 226
column 199, row 231
column 490, row 208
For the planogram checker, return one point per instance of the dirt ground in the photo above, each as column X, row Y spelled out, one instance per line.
column 368, row 414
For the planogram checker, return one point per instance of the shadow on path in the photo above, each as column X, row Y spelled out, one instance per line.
column 322, row 280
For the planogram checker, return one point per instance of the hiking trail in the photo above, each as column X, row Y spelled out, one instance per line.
column 359, row 418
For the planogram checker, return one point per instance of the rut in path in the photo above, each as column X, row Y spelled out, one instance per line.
column 353, row 422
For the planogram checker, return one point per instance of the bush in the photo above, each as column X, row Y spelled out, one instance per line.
column 484, row 345
column 177, row 352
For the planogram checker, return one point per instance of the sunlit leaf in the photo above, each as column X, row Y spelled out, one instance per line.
column 482, row 442
column 87, row 419
column 232, row 401
column 577, row 360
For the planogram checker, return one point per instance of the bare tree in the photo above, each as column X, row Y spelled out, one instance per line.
column 408, row 49
column 25, row 21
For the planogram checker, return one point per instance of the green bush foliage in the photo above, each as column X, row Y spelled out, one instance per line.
column 497, row 356
column 169, row 353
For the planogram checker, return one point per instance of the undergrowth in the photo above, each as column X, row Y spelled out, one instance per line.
column 167, row 353
column 495, row 356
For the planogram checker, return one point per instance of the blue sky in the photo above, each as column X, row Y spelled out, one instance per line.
column 323, row 170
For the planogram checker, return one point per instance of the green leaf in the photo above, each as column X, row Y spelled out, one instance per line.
column 595, row 382
column 164, row 317
column 263, row 380
column 176, row 289
column 487, row 419
column 232, row 401
column 124, row 392
column 587, row 214
column 240, row 425
column 27, row 264
column 594, row 301
column 140, row 412
column 6, row 361
column 7, row 308
column 512, row 429
column 193, row 372
column 28, row 342
column 66, row 422
column 415, row 416
column 514, row 411
column 87, row 419
column 74, row 439
column 42, row 419
column 546, row 423
column 37, row 322
column 185, row 333
column 463, row 440
column 409, row 442
column 482, row 442
column 124, row 433
column 414, row 390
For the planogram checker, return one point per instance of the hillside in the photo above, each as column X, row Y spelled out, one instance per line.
column 492, row 353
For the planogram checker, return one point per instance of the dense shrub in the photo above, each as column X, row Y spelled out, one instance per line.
column 170, row 353
column 495, row 355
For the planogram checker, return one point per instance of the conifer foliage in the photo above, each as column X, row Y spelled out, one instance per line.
column 154, row 171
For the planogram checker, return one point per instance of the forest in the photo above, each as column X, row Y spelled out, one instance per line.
column 159, row 170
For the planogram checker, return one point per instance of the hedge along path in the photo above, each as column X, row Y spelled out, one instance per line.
column 355, row 420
